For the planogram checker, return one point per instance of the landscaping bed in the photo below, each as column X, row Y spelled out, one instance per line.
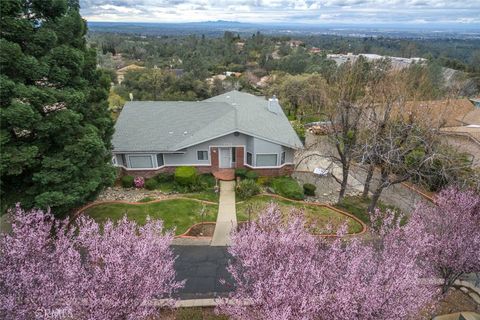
column 180, row 214
column 201, row 230
column 317, row 216
column 185, row 183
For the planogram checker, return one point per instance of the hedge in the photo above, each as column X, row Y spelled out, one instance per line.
column 127, row 181
column 287, row 187
column 186, row 176
column 164, row 177
column 151, row 184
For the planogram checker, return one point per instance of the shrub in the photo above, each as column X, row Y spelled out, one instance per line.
column 186, row 176
column 164, row 177
column 264, row 181
column 151, row 184
column 240, row 172
column 252, row 175
column 139, row 182
column 287, row 187
column 247, row 188
column 206, row 181
column 309, row 189
column 127, row 181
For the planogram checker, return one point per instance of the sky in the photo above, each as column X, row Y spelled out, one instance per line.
column 391, row 12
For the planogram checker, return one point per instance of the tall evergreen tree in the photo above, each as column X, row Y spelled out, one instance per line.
column 55, row 127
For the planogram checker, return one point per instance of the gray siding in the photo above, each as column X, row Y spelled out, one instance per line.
column 265, row 147
column 189, row 155
column 289, row 154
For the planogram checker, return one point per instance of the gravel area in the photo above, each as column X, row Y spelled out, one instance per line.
column 131, row 194
column 327, row 188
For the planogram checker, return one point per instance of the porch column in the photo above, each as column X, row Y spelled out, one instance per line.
column 214, row 157
column 239, row 157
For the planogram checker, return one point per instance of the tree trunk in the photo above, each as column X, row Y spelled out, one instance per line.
column 449, row 278
column 375, row 197
column 368, row 181
column 343, row 185
column 378, row 191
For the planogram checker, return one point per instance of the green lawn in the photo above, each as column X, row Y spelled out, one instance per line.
column 358, row 207
column 209, row 195
column 317, row 217
column 179, row 213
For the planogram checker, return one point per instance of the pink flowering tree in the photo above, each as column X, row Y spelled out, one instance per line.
column 378, row 277
column 93, row 272
column 39, row 267
column 282, row 272
column 452, row 229
column 126, row 266
column 274, row 268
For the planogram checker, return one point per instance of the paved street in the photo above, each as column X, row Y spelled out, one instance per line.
column 203, row 267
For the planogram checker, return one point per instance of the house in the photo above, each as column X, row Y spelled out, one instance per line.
column 295, row 43
column 232, row 130
column 465, row 137
column 315, row 50
column 438, row 113
column 121, row 72
column 397, row 62
column 457, row 122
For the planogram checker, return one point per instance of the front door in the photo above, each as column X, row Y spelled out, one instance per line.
column 225, row 157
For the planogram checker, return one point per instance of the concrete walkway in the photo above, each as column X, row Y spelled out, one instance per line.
column 227, row 215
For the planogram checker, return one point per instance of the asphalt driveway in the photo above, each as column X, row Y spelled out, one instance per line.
column 203, row 267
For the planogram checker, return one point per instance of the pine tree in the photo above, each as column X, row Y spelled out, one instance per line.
column 55, row 127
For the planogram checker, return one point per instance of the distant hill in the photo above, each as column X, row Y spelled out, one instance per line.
column 215, row 28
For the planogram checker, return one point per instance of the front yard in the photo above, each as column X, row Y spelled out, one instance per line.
column 176, row 213
column 318, row 217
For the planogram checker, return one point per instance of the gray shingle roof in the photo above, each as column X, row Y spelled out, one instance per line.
column 174, row 125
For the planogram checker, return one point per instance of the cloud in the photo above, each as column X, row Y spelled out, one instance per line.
column 299, row 11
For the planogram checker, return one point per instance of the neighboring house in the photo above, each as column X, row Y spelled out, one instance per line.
column 457, row 120
column 465, row 137
column 440, row 113
column 121, row 72
column 232, row 130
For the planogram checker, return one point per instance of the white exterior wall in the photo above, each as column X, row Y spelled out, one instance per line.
column 189, row 155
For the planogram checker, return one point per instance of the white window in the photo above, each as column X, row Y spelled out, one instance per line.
column 266, row 160
column 140, row 162
column 282, row 158
column 202, row 155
